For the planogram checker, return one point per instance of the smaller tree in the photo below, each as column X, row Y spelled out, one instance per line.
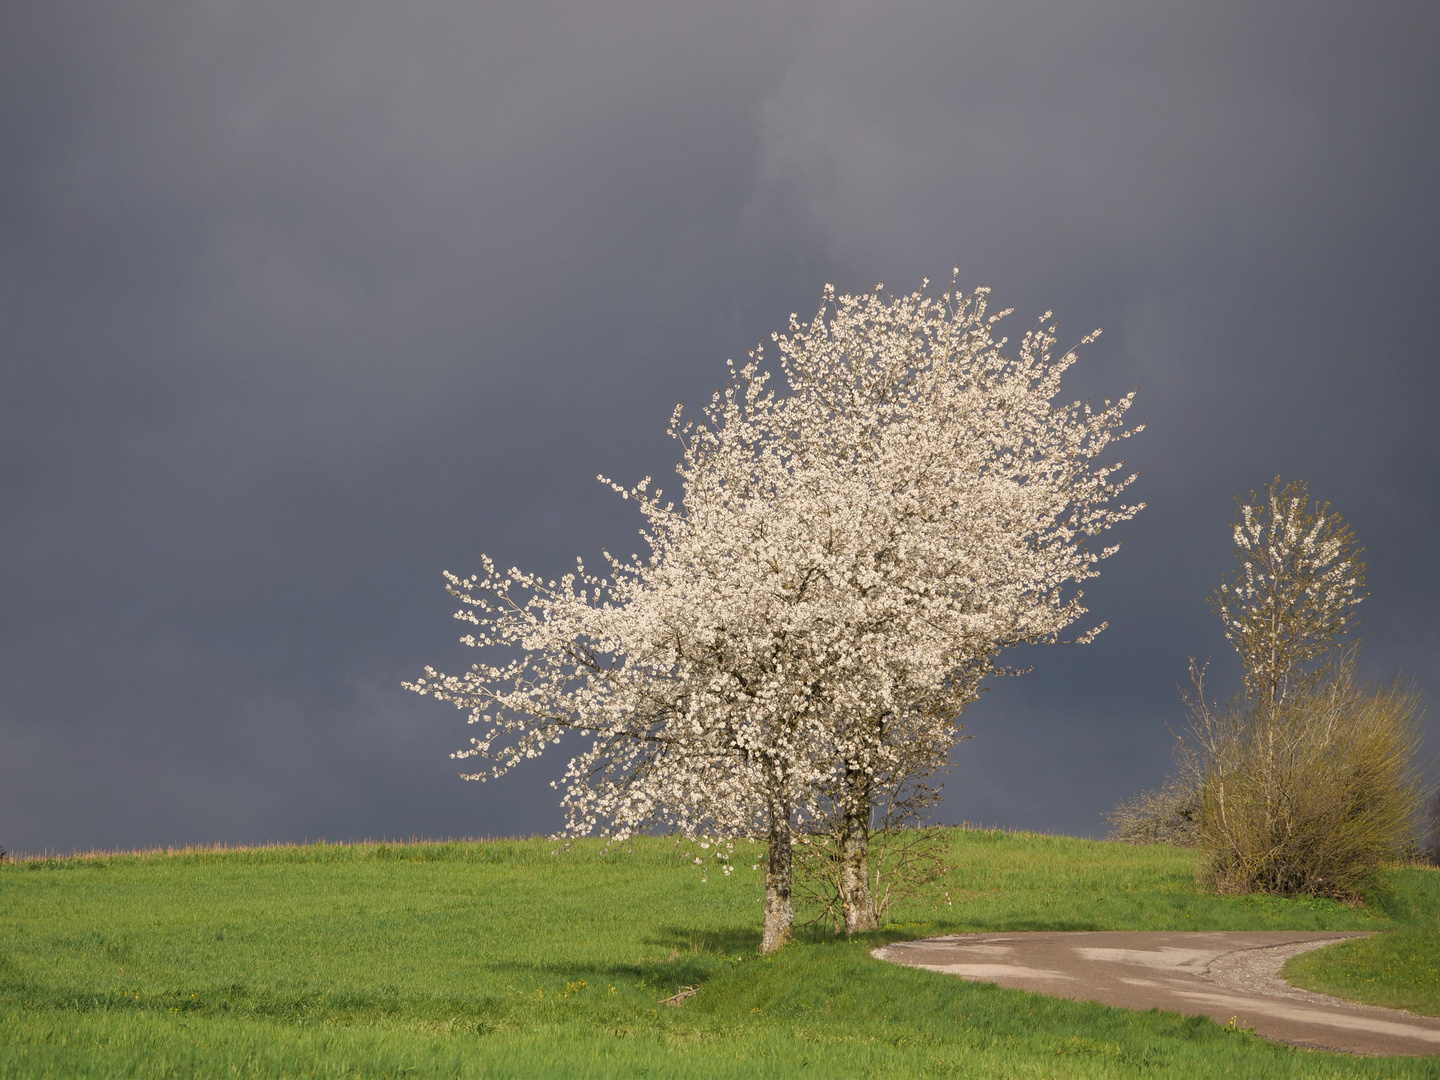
column 1270, row 784
column 1294, row 592
column 1305, row 783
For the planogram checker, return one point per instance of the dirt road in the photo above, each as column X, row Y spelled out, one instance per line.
column 1222, row 975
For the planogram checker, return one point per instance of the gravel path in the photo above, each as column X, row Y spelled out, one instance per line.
column 1226, row 976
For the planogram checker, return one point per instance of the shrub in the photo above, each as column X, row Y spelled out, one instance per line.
column 1169, row 815
column 906, row 863
column 907, row 860
column 1309, row 796
column 1430, row 846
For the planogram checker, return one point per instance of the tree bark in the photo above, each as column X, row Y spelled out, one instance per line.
column 779, row 914
column 856, row 898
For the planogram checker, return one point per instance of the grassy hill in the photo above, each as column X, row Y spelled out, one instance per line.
column 507, row 958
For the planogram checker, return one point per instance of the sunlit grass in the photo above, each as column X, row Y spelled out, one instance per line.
column 1399, row 969
column 503, row 959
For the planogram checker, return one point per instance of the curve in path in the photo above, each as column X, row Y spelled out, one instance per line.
column 1226, row 976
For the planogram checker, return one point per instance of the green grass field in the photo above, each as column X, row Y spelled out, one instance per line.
column 1401, row 968
column 503, row 959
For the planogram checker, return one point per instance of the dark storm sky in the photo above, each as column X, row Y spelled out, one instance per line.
column 301, row 304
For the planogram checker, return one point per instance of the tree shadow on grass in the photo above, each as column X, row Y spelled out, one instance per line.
column 694, row 957
column 661, row 977
column 1006, row 924
column 731, row 941
column 944, row 927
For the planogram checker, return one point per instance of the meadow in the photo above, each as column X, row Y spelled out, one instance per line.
column 518, row 959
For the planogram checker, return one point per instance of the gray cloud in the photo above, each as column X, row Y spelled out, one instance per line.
column 299, row 306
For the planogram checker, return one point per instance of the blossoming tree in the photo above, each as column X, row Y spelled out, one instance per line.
column 1294, row 591
column 846, row 562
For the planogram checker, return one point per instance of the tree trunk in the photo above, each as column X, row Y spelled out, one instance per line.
column 856, row 898
column 779, row 914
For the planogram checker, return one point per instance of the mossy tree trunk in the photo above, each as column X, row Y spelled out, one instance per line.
column 856, row 899
column 779, row 912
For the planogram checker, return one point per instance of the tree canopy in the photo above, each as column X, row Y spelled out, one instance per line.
column 846, row 561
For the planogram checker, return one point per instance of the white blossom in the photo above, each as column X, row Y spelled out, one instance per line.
column 845, row 562
column 1295, row 591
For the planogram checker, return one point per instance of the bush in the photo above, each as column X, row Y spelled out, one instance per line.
column 1430, row 846
column 1311, row 796
column 906, row 864
column 906, row 860
column 1170, row 815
